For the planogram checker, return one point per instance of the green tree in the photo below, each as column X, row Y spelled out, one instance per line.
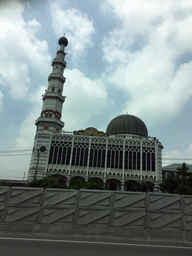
column 183, row 189
column 45, row 183
column 181, row 183
column 145, row 187
column 141, row 187
column 76, row 184
column 93, row 184
column 183, row 171
column 73, row 184
column 90, row 184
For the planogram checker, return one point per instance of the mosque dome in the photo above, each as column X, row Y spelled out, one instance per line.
column 127, row 124
column 63, row 40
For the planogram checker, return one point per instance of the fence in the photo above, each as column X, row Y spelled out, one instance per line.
column 86, row 207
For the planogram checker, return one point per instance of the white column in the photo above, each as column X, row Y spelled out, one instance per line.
column 69, row 173
column 105, row 172
column 156, row 167
column 123, row 170
column 87, row 173
column 141, row 160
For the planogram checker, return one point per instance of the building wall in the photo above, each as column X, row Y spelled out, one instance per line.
column 38, row 166
column 173, row 168
column 121, row 158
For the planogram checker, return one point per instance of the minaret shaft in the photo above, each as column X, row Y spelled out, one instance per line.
column 49, row 121
column 53, row 98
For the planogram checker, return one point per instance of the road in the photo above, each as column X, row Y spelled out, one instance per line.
column 20, row 246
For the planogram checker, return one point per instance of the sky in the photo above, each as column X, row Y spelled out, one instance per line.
column 122, row 57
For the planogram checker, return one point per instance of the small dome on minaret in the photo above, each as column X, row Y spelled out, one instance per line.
column 63, row 40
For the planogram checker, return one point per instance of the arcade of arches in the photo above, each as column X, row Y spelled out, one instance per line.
column 111, row 184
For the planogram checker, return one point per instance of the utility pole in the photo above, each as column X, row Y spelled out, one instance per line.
column 39, row 150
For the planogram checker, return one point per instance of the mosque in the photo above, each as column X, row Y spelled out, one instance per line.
column 119, row 157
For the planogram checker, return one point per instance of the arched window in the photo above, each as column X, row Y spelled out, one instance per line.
column 53, row 89
column 51, row 155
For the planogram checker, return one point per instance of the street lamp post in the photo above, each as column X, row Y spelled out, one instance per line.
column 39, row 150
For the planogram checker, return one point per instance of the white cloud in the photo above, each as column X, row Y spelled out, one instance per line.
column 19, row 49
column 21, row 54
column 145, row 52
column 171, row 157
column 85, row 97
column 175, row 156
column 1, row 101
column 14, row 167
column 17, row 77
column 76, row 25
column 27, row 129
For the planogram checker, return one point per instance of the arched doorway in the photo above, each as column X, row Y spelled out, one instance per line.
column 150, row 186
column 96, row 179
column 78, row 178
column 131, row 185
column 113, row 184
column 60, row 178
column 61, row 181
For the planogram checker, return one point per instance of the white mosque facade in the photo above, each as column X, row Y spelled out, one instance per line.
column 120, row 156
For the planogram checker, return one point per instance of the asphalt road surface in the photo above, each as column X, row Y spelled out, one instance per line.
column 14, row 246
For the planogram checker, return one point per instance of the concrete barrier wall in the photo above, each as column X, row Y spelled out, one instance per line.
column 102, row 208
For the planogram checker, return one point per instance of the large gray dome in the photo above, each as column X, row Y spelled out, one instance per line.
column 127, row 124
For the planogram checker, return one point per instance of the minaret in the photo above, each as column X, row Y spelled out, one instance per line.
column 49, row 121
column 53, row 98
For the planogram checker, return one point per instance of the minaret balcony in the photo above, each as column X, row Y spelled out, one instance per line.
column 59, row 61
column 49, row 120
column 56, row 76
column 53, row 95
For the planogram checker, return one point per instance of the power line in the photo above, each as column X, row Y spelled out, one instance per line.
column 17, row 155
column 14, row 150
column 176, row 158
column 27, row 154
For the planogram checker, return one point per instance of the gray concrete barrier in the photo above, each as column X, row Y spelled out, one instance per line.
column 94, row 207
